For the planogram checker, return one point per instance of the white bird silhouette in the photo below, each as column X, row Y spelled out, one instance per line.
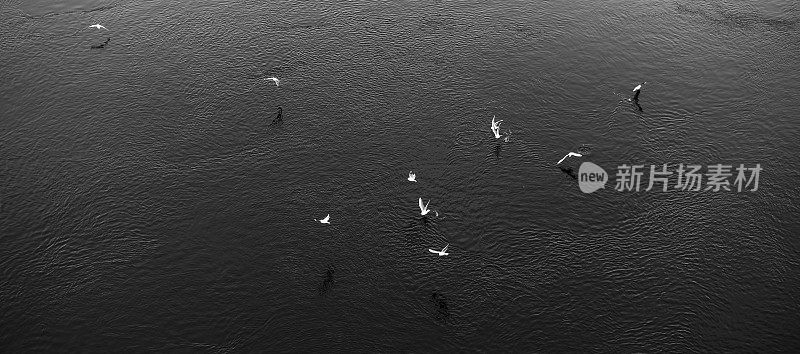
column 412, row 176
column 442, row 252
column 496, row 128
column 275, row 80
column 569, row 155
column 99, row 26
column 637, row 88
column 423, row 208
column 325, row 220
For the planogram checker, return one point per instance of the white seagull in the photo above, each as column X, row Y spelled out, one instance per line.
column 326, row 220
column 423, row 208
column 99, row 26
column 412, row 176
column 442, row 252
column 569, row 155
column 496, row 128
column 275, row 80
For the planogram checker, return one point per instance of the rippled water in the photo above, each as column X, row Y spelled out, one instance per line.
column 148, row 203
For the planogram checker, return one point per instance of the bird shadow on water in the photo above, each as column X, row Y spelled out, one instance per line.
column 427, row 221
column 441, row 310
column 638, row 106
column 101, row 45
column 426, row 226
column 498, row 149
column 716, row 14
column 419, row 229
column 44, row 13
column 633, row 103
column 569, row 171
column 278, row 118
column 424, row 221
column 327, row 282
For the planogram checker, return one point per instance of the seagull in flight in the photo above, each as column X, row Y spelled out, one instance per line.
column 99, row 26
column 275, row 80
column 412, row 176
column 569, row 155
column 326, row 220
column 423, row 208
column 496, row 127
column 442, row 252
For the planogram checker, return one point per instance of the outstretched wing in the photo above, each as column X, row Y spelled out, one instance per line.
column 562, row 159
column 445, row 248
column 432, row 251
column 421, row 207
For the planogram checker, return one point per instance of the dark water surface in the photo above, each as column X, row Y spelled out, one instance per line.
column 148, row 203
